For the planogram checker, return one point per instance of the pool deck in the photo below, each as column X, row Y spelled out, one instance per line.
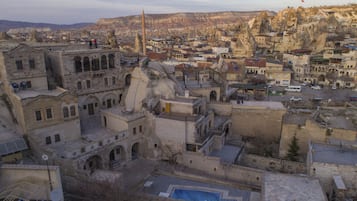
column 159, row 177
column 165, row 184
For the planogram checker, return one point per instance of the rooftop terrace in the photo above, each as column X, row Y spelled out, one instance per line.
column 282, row 187
column 326, row 153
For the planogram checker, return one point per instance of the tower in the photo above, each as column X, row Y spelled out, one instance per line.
column 143, row 30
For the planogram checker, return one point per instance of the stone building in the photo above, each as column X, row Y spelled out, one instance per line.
column 300, row 64
column 276, row 74
column 191, row 125
column 323, row 126
column 258, row 120
column 335, row 167
column 94, row 75
column 44, row 116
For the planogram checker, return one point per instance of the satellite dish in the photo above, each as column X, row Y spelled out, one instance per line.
column 44, row 157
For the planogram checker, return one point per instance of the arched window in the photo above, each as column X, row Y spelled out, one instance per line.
column 103, row 62
column 127, row 80
column 95, row 64
column 111, row 60
column 65, row 112
column 79, row 85
column 213, row 96
column 78, row 64
column 73, row 110
column 86, row 64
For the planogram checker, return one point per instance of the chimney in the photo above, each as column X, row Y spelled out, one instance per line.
column 143, row 30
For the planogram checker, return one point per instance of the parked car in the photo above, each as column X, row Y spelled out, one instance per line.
column 316, row 87
column 295, row 99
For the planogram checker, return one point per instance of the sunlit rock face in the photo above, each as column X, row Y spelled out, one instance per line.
column 147, row 83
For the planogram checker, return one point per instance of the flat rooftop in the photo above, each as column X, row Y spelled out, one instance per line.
column 23, row 94
column 228, row 154
column 259, row 105
column 180, row 117
column 183, row 99
column 327, row 153
column 122, row 113
column 298, row 119
column 194, row 84
column 341, row 122
column 283, row 187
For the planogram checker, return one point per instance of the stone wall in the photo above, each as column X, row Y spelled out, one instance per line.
column 311, row 131
column 32, row 174
column 325, row 171
column 214, row 167
column 223, row 109
column 272, row 164
column 263, row 124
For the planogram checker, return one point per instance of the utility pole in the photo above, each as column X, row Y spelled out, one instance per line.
column 45, row 158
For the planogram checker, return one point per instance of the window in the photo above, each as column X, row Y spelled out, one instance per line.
column 84, row 107
column 106, row 81
column 49, row 113
column 103, row 62
column 28, row 84
column 73, row 110
column 57, row 138
column 113, row 80
column 19, row 65
column 88, row 84
column 86, row 64
column 117, row 151
column 111, row 61
column 78, row 64
column 95, row 64
column 134, row 130
column 38, row 115
column 32, row 63
column 48, row 140
column 79, row 85
column 140, row 128
column 65, row 112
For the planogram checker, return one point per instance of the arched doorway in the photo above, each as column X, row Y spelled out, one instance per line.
column 127, row 79
column 135, row 151
column 116, row 156
column 93, row 163
column 321, row 78
column 105, row 121
column 213, row 96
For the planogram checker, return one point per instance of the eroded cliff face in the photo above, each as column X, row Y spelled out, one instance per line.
column 160, row 24
column 309, row 28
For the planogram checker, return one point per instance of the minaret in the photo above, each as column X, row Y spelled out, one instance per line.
column 143, row 30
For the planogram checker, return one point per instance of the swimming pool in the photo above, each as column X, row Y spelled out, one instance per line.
column 195, row 195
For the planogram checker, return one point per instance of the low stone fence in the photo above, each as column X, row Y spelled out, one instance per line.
column 272, row 164
column 213, row 166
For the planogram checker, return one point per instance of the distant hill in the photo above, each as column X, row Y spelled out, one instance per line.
column 5, row 25
column 175, row 20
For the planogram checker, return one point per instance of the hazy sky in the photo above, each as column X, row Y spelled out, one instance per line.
column 73, row 11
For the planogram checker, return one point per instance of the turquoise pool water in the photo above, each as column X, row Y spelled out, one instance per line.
column 193, row 195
